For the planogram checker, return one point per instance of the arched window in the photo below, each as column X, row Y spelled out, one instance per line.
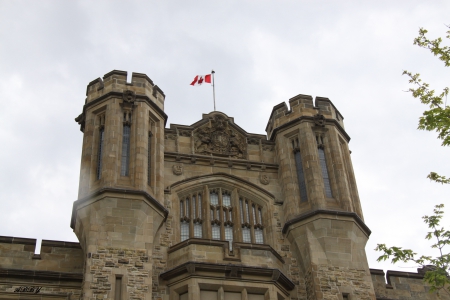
column 224, row 225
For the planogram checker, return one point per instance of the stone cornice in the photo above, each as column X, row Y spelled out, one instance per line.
column 147, row 197
column 230, row 271
column 41, row 275
column 274, row 132
column 330, row 213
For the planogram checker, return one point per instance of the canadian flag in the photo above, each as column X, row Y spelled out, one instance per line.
column 199, row 79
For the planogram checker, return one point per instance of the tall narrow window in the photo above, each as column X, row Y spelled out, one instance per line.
column 149, row 159
column 100, row 152
column 118, row 288
column 300, row 173
column 184, row 220
column 124, row 170
column 323, row 165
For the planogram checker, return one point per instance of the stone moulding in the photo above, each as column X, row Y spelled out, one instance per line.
column 274, row 132
column 224, row 245
column 139, row 98
column 168, row 190
column 330, row 213
column 147, row 196
column 224, row 160
column 41, row 275
column 230, row 271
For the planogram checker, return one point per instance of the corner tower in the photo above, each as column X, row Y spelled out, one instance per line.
column 323, row 220
column 119, row 206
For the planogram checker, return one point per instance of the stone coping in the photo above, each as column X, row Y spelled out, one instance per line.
column 37, row 275
column 17, row 240
column 390, row 273
column 60, row 244
column 327, row 212
column 168, row 190
column 147, row 196
column 224, row 244
column 230, row 272
column 274, row 132
column 249, row 164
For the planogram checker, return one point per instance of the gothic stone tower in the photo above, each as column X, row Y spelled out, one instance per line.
column 210, row 211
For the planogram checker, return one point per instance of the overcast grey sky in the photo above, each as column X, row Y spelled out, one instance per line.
column 263, row 52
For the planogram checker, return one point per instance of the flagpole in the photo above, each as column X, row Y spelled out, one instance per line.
column 214, row 89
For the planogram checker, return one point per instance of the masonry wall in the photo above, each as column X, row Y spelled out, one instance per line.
column 55, row 273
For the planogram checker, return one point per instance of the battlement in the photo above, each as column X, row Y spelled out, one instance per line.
column 116, row 81
column 395, row 284
column 301, row 106
column 56, row 256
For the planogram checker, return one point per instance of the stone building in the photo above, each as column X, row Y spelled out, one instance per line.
column 206, row 211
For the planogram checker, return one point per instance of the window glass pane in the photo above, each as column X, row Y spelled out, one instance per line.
column 181, row 209
column 194, row 214
column 229, row 236
column 226, row 199
column 259, row 236
column 212, row 214
column 100, row 151
column 214, row 198
column 326, row 179
column 246, row 235
column 124, row 169
column 215, row 232
column 149, row 158
column 230, row 216
column 184, row 230
column 198, row 232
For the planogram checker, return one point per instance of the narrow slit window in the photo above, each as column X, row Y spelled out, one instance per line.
column 100, row 152
column 247, row 211
column 242, row 210
column 125, row 167
column 300, row 175
column 199, row 206
column 149, row 159
column 118, row 288
column 194, row 214
column 326, row 178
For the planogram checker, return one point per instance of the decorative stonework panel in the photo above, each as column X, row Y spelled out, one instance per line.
column 218, row 138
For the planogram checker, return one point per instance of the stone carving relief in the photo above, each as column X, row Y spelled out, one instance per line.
column 319, row 120
column 177, row 169
column 264, row 179
column 217, row 138
column 129, row 96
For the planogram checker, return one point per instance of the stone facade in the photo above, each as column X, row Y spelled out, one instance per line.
column 206, row 211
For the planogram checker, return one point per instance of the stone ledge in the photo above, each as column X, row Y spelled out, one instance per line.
column 17, row 240
column 230, row 271
column 60, row 244
column 30, row 274
column 327, row 212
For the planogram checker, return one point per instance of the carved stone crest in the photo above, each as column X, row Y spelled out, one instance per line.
column 319, row 120
column 264, row 179
column 218, row 138
column 129, row 96
column 177, row 169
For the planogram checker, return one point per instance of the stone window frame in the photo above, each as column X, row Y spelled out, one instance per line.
column 221, row 216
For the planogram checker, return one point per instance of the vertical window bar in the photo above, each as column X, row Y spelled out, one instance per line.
column 199, row 206
column 301, row 176
column 260, row 215
column 194, row 212
column 124, row 170
column 326, row 178
column 100, row 152
column 242, row 210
